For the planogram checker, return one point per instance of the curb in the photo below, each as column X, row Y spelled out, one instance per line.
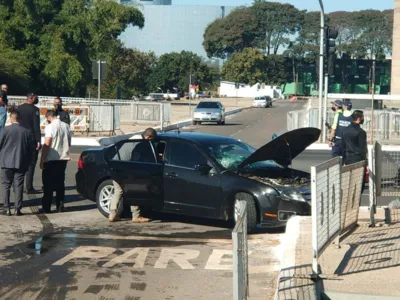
column 325, row 147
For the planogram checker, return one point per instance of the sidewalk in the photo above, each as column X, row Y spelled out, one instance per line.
column 366, row 266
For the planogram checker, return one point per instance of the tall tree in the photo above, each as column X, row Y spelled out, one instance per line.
column 276, row 23
column 230, row 34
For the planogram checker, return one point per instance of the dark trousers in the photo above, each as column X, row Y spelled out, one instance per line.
column 31, row 171
column 53, row 176
column 352, row 159
column 336, row 151
column 13, row 177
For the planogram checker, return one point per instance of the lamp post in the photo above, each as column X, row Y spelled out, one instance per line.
column 372, row 97
column 321, row 65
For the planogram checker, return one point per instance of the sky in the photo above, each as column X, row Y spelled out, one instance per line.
column 330, row 5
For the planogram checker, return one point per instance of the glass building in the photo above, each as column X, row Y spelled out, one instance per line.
column 172, row 28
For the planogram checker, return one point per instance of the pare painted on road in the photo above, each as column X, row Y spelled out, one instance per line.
column 219, row 259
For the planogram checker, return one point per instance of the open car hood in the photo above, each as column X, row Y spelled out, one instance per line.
column 284, row 147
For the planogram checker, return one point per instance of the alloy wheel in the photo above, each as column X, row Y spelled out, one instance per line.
column 106, row 195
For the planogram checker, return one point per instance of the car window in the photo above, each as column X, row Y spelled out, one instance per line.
column 135, row 151
column 208, row 105
column 184, row 155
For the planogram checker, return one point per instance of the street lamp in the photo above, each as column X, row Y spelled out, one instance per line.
column 372, row 96
column 321, row 64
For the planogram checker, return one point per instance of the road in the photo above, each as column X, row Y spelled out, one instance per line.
column 79, row 255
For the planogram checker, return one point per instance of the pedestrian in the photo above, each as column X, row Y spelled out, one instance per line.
column 347, row 108
column 148, row 134
column 53, row 162
column 15, row 155
column 354, row 142
column 334, row 139
column 3, row 106
column 60, row 112
column 30, row 119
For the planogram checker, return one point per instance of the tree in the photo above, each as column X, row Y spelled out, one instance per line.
column 230, row 34
column 246, row 67
column 60, row 37
column 130, row 69
column 172, row 71
column 276, row 22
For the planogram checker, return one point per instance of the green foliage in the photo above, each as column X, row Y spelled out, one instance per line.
column 59, row 38
column 172, row 70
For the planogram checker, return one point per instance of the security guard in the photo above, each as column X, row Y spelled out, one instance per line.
column 333, row 142
column 60, row 112
column 347, row 108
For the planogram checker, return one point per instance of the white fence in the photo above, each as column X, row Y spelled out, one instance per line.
column 145, row 112
column 325, row 206
column 240, row 256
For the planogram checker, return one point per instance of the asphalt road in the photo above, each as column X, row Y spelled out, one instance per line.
column 79, row 255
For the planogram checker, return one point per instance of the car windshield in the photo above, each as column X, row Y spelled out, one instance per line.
column 231, row 154
column 208, row 105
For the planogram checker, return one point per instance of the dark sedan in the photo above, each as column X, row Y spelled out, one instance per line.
column 203, row 175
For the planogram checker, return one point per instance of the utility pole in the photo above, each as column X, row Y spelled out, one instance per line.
column 321, row 65
column 99, row 79
column 99, row 73
column 372, row 96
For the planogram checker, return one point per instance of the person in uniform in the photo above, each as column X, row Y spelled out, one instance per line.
column 333, row 142
column 3, row 106
column 30, row 119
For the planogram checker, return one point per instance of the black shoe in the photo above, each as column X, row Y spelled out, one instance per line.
column 19, row 213
column 7, row 212
column 42, row 211
column 60, row 209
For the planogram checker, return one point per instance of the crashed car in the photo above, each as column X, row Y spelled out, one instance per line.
column 203, row 175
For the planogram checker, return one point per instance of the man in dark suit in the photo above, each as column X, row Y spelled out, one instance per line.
column 30, row 119
column 15, row 155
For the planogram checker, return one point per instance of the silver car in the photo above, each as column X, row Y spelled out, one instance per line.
column 209, row 111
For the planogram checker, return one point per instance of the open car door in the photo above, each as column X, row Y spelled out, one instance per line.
column 136, row 167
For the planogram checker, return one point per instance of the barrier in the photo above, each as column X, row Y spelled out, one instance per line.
column 240, row 256
column 325, row 206
column 104, row 118
column 352, row 181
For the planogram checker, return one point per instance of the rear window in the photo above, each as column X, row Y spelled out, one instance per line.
column 208, row 105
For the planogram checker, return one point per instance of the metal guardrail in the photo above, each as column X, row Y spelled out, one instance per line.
column 386, row 123
column 325, row 206
column 240, row 256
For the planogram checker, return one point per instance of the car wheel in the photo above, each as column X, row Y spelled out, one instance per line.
column 104, row 194
column 194, row 123
column 251, row 210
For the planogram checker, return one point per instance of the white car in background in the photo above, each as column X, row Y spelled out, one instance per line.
column 262, row 101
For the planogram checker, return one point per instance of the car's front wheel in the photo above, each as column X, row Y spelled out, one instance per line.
column 104, row 194
column 251, row 210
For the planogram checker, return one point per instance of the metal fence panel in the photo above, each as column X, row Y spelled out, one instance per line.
column 101, row 118
column 240, row 256
column 352, row 180
column 387, row 169
column 326, row 210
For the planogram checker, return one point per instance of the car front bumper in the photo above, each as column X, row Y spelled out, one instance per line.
column 207, row 118
column 259, row 104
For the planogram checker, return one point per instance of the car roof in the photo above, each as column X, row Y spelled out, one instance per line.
column 197, row 137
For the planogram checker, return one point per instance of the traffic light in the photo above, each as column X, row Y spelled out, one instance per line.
column 330, row 49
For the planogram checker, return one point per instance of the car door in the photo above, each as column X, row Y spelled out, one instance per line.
column 135, row 167
column 189, row 186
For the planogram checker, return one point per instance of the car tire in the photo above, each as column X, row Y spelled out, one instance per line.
column 251, row 210
column 194, row 123
column 103, row 203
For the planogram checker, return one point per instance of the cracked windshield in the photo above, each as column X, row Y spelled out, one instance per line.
column 199, row 149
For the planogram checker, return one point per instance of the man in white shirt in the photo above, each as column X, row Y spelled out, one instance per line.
column 55, row 155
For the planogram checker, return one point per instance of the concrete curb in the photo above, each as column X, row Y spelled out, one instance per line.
column 289, row 243
column 325, row 147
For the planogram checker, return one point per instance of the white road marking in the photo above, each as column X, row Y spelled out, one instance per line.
column 180, row 256
column 216, row 260
column 86, row 252
column 125, row 258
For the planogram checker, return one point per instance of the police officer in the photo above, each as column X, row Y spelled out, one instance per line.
column 337, row 108
column 60, row 112
column 30, row 119
column 347, row 108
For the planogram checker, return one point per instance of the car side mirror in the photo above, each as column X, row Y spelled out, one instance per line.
column 203, row 169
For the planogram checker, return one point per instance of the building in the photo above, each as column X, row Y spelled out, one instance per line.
column 395, row 87
column 172, row 28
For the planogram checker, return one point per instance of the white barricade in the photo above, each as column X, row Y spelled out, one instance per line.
column 326, row 209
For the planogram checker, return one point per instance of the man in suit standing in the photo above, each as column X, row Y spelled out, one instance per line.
column 15, row 155
column 53, row 162
column 30, row 119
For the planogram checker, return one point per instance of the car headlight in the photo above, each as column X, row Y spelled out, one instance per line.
column 292, row 195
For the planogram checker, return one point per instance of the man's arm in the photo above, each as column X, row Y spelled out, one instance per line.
column 48, row 138
column 343, row 146
column 362, row 142
column 334, row 126
column 36, row 128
